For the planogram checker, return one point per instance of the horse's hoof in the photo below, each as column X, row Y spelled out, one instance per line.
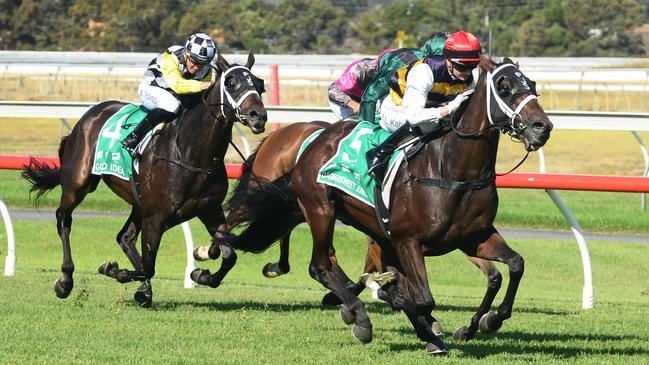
column 201, row 253
column 331, row 300
column 436, row 348
column 487, row 324
column 364, row 335
column 62, row 288
column 144, row 295
column 106, row 267
column 461, row 334
column 202, row 277
column 144, row 300
column 123, row 276
column 347, row 315
column 437, row 329
column 272, row 271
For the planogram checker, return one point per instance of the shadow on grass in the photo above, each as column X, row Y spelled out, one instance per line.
column 239, row 305
column 520, row 343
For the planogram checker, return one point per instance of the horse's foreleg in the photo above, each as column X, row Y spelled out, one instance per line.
column 218, row 247
column 273, row 270
column 496, row 249
column 494, row 280
column 414, row 295
column 151, row 235
column 63, row 285
column 127, row 239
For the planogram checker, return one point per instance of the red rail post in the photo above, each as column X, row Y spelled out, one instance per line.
column 274, row 85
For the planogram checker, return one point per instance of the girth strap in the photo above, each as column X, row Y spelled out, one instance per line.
column 455, row 185
column 186, row 166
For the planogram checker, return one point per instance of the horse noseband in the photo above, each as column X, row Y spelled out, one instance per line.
column 499, row 102
column 237, row 94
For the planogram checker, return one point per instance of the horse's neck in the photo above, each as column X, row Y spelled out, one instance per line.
column 471, row 157
column 203, row 134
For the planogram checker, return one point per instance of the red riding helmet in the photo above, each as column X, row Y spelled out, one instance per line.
column 462, row 47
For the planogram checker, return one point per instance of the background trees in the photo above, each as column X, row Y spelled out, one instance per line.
column 518, row 27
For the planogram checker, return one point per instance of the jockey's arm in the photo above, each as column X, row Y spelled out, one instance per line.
column 337, row 95
column 348, row 89
column 418, row 83
column 171, row 73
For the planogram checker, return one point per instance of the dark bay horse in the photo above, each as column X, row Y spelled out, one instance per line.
column 444, row 199
column 181, row 175
column 275, row 157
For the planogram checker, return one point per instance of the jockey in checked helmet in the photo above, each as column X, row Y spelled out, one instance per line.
column 177, row 71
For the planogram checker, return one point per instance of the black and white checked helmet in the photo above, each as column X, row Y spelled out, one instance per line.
column 200, row 48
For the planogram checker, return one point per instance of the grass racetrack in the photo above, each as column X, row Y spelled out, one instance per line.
column 254, row 320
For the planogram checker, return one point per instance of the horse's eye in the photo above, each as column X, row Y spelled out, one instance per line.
column 230, row 83
column 503, row 87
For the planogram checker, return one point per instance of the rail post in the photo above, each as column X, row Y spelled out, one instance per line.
column 189, row 267
column 10, row 261
column 274, row 85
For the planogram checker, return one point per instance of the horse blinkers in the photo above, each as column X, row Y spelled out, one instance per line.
column 237, row 85
column 507, row 86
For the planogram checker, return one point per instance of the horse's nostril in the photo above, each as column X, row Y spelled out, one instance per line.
column 254, row 114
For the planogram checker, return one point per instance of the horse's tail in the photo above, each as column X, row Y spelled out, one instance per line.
column 238, row 205
column 42, row 176
column 268, row 211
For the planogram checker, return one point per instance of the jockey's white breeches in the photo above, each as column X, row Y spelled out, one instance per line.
column 392, row 116
column 154, row 97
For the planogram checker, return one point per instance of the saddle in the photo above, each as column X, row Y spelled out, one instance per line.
column 411, row 149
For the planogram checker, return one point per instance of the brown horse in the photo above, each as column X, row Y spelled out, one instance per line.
column 182, row 175
column 275, row 157
column 444, row 199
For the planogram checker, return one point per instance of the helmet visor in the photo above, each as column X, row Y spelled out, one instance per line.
column 196, row 60
column 464, row 66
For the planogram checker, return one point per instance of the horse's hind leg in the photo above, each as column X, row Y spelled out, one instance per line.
column 330, row 275
column 273, row 270
column 74, row 189
column 496, row 249
column 494, row 280
column 127, row 239
column 372, row 265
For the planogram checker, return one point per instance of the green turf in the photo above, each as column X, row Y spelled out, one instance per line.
column 253, row 320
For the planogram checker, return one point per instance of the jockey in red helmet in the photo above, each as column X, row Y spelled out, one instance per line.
column 462, row 52
column 424, row 92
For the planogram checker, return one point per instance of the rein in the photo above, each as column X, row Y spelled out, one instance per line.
column 509, row 126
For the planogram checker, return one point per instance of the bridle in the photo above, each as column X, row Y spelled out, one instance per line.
column 229, row 98
column 235, row 105
column 501, row 104
column 233, row 99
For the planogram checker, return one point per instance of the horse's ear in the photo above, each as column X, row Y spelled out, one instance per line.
column 509, row 60
column 251, row 60
column 221, row 63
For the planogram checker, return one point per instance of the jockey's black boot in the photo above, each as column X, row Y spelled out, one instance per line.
column 378, row 157
column 151, row 120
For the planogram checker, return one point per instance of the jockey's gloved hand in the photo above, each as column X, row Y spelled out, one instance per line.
column 454, row 104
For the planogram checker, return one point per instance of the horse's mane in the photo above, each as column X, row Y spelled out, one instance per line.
column 486, row 64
